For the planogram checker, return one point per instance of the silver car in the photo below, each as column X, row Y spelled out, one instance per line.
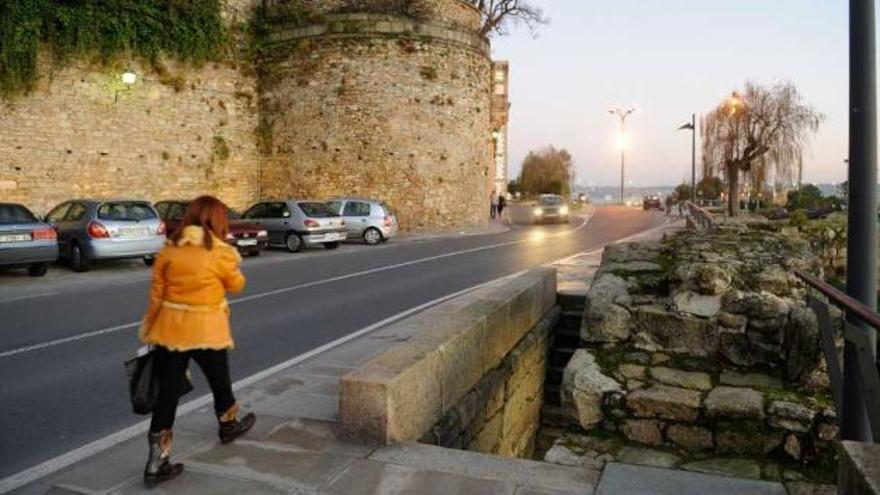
column 297, row 224
column 551, row 208
column 367, row 219
column 25, row 241
column 90, row 230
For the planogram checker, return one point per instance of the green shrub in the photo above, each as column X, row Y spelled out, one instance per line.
column 103, row 30
column 798, row 218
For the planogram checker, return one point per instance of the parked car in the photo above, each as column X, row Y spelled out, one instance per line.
column 90, row 230
column 551, row 207
column 249, row 238
column 367, row 219
column 652, row 203
column 25, row 241
column 297, row 224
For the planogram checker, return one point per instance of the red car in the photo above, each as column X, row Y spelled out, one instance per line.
column 249, row 238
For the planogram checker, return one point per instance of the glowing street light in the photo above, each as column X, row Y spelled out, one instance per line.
column 128, row 78
column 622, row 143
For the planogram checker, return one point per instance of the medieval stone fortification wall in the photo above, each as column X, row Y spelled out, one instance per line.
column 383, row 106
column 372, row 104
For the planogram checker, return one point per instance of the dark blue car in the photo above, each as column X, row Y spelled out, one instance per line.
column 26, row 242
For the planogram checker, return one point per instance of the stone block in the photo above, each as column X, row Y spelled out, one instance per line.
column 735, row 402
column 631, row 371
column 584, row 387
column 740, row 438
column 790, row 416
column 684, row 379
column 647, row 457
column 690, row 438
column 657, row 328
column 754, row 380
column 661, row 401
column 737, row 468
column 488, row 439
column 643, row 431
column 696, row 304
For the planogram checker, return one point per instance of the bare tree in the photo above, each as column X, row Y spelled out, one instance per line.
column 756, row 131
column 497, row 14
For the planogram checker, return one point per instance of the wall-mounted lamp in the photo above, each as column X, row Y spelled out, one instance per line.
column 128, row 78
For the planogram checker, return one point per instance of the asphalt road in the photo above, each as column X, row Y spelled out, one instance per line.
column 63, row 338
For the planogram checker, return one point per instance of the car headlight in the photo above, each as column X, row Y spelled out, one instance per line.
column 538, row 212
column 263, row 233
column 564, row 210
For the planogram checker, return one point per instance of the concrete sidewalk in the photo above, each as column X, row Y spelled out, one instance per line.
column 296, row 448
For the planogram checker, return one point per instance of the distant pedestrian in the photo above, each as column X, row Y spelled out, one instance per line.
column 669, row 201
column 493, row 204
column 188, row 318
column 502, row 204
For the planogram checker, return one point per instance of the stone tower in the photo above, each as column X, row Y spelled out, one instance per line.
column 385, row 99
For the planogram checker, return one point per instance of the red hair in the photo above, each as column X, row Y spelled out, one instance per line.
column 210, row 214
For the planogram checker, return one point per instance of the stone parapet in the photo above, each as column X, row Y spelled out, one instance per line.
column 404, row 392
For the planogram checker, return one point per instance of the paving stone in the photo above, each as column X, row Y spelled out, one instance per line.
column 737, row 468
column 735, row 402
column 527, row 490
column 284, row 467
column 560, row 454
column 661, row 401
column 620, row 479
column 366, row 477
column 322, row 369
column 317, row 436
column 684, row 379
column 197, row 482
column 756, row 380
column 647, row 457
column 302, row 405
column 516, row 471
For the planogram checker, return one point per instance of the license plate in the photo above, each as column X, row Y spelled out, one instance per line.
column 15, row 238
column 247, row 242
column 133, row 232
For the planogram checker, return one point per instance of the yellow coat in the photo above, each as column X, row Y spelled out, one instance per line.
column 188, row 308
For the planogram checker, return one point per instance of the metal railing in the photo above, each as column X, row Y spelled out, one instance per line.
column 859, row 345
column 700, row 218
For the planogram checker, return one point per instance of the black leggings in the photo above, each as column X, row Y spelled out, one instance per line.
column 170, row 369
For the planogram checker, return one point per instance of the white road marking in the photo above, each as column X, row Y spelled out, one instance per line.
column 53, row 465
column 284, row 290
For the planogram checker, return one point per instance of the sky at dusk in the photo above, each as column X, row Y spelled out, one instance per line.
column 668, row 59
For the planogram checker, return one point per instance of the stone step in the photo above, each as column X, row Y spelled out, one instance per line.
column 560, row 356
column 566, row 337
column 551, row 394
column 568, row 301
column 570, row 319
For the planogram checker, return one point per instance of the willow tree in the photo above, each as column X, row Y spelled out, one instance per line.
column 760, row 130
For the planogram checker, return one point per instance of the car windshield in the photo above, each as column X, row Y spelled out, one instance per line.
column 10, row 214
column 550, row 201
column 316, row 210
column 126, row 211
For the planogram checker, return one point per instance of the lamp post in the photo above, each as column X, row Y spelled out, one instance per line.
column 692, row 126
column 622, row 114
column 861, row 261
column 128, row 78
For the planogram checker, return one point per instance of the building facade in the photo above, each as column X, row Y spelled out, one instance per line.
column 500, row 118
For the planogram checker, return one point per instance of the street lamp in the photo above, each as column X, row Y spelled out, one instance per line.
column 692, row 126
column 622, row 141
column 128, row 78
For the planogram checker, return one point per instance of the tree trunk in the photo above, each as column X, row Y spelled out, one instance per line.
column 733, row 191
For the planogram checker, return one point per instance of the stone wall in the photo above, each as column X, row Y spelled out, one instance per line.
column 478, row 358
column 187, row 132
column 455, row 12
column 501, row 415
column 386, row 107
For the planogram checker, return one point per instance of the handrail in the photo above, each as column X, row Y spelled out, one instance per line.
column 702, row 217
column 841, row 299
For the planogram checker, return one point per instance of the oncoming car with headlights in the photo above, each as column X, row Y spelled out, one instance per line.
column 550, row 208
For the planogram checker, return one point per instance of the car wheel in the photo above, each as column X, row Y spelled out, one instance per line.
column 79, row 262
column 372, row 236
column 149, row 260
column 294, row 243
column 38, row 269
column 331, row 245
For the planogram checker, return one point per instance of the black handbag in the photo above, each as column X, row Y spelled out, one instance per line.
column 143, row 384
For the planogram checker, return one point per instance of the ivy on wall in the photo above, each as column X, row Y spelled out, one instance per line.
column 101, row 30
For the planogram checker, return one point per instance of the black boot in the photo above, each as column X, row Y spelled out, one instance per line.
column 159, row 467
column 231, row 427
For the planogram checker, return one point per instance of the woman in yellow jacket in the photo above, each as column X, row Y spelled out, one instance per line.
column 188, row 317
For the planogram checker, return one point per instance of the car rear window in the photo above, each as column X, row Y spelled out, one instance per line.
column 388, row 210
column 316, row 210
column 551, row 200
column 126, row 211
column 10, row 214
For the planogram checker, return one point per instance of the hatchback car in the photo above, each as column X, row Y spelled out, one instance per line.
column 367, row 219
column 249, row 238
column 297, row 224
column 652, row 203
column 26, row 241
column 551, row 207
column 90, row 230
